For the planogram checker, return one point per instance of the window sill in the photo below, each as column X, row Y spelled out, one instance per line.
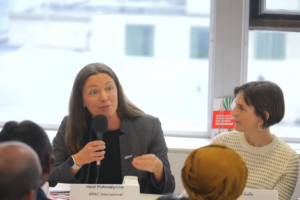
column 185, row 144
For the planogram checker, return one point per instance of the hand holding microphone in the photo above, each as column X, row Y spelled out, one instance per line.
column 89, row 153
column 99, row 125
column 94, row 151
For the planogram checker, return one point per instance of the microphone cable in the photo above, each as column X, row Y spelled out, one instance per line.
column 89, row 165
column 98, row 170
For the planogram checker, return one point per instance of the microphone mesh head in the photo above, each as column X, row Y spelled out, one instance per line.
column 100, row 123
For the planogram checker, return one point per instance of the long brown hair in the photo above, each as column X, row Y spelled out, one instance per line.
column 80, row 118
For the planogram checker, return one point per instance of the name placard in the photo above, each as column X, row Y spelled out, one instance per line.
column 104, row 192
column 255, row 194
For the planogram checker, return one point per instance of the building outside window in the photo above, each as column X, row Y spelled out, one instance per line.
column 270, row 45
column 139, row 40
column 199, row 42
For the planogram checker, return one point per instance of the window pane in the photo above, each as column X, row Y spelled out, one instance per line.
column 139, row 40
column 199, row 42
column 283, row 71
column 270, row 45
column 286, row 5
column 147, row 44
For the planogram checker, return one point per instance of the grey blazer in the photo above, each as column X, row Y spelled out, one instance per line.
column 142, row 135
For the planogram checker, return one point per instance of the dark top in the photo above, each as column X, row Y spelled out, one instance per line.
column 110, row 167
column 41, row 195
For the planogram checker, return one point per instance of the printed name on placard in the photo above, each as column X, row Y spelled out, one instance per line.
column 105, row 186
column 248, row 194
column 106, row 192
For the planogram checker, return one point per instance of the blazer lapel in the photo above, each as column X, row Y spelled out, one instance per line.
column 128, row 148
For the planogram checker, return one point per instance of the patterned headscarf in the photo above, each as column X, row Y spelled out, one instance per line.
column 214, row 172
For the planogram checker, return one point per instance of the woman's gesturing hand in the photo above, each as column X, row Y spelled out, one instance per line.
column 150, row 163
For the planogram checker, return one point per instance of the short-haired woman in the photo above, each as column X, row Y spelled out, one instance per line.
column 272, row 163
column 132, row 145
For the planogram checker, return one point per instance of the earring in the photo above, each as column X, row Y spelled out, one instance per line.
column 261, row 129
column 83, row 111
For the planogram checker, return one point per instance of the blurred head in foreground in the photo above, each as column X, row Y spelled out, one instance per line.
column 214, row 172
column 20, row 171
column 34, row 136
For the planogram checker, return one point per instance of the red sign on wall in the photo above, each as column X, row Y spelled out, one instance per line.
column 222, row 119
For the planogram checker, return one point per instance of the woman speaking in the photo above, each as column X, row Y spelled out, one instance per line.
column 132, row 145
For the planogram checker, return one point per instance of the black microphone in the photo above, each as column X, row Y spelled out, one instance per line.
column 99, row 125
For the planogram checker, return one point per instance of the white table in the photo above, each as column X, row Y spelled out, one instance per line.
column 149, row 196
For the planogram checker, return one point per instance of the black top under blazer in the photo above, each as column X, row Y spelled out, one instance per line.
column 142, row 135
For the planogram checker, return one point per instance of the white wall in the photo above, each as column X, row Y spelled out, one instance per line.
column 228, row 47
column 176, row 161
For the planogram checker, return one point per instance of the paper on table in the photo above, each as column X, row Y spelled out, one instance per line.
column 46, row 190
column 60, row 188
column 130, row 180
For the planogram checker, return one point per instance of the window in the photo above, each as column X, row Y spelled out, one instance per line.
column 199, row 42
column 273, row 56
column 280, row 6
column 274, row 15
column 270, row 45
column 283, row 72
column 139, row 40
column 3, row 27
column 145, row 42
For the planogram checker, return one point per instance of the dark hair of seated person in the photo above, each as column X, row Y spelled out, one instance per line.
column 172, row 197
column 264, row 96
column 6, row 132
column 31, row 134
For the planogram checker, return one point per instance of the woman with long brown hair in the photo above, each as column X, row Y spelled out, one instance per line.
column 132, row 145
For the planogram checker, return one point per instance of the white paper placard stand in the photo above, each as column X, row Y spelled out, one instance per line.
column 104, row 192
column 258, row 194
